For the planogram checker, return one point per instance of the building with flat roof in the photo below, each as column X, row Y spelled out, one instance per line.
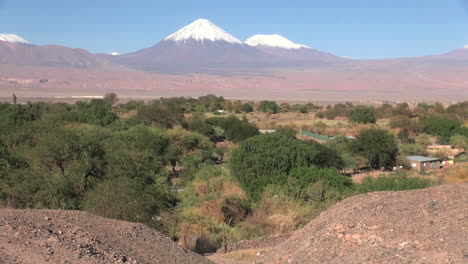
column 425, row 163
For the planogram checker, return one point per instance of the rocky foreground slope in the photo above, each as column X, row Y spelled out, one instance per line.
column 48, row 236
column 418, row 226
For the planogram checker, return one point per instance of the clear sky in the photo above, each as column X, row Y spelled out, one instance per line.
column 352, row 28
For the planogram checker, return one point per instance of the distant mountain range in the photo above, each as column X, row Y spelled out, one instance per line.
column 203, row 48
column 198, row 47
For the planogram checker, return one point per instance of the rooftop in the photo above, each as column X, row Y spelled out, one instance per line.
column 421, row 158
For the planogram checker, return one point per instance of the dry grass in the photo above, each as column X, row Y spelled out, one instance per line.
column 277, row 215
column 456, row 174
column 308, row 122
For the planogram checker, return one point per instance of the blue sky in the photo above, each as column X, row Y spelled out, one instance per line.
column 352, row 28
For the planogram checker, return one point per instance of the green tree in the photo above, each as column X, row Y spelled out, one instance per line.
column 161, row 114
column 96, row 112
column 362, row 114
column 247, row 108
column 424, row 140
column 299, row 179
column 400, row 122
column 110, row 98
column 130, row 200
column 286, row 131
column 268, row 158
column 459, row 141
column 342, row 145
column 235, row 129
column 395, row 182
column 377, row 146
column 269, row 107
column 413, row 150
column 441, row 127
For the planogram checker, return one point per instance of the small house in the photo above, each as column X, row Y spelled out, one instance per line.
column 425, row 163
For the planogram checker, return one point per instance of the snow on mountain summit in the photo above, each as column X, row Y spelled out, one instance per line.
column 202, row 30
column 465, row 47
column 275, row 41
column 13, row 38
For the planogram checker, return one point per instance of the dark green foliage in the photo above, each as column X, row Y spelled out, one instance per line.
column 247, row 108
column 396, row 182
column 463, row 131
column 413, row 150
column 384, row 111
column 377, row 146
column 143, row 155
column 342, row 146
column 129, row 199
column 269, row 107
column 363, row 115
column 327, row 157
column 402, row 109
column 235, row 129
column 211, row 102
column 440, row 127
column 286, row 131
column 267, row 159
column 404, row 137
column 400, row 122
column 204, row 128
column 110, row 98
column 336, row 111
column 16, row 115
column 300, row 179
column 161, row 114
column 96, row 112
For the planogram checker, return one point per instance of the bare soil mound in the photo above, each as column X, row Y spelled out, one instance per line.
column 41, row 236
column 418, row 226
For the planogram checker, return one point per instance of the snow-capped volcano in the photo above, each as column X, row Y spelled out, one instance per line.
column 274, row 41
column 12, row 38
column 203, row 46
column 202, row 30
column 198, row 46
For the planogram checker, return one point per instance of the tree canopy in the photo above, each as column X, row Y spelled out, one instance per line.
column 363, row 114
column 268, row 158
column 377, row 146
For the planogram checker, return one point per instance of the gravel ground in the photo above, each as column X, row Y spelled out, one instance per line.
column 49, row 236
column 418, row 226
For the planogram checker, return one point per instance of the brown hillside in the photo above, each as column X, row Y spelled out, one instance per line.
column 418, row 226
column 48, row 236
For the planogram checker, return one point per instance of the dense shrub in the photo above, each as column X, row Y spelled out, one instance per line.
column 269, row 107
column 96, row 112
column 300, row 179
column 129, row 199
column 161, row 114
column 396, row 182
column 247, row 108
column 363, row 115
column 234, row 128
column 400, row 122
column 286, row 131
column 267, row 159
column 440, row 127
column 377, row 146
